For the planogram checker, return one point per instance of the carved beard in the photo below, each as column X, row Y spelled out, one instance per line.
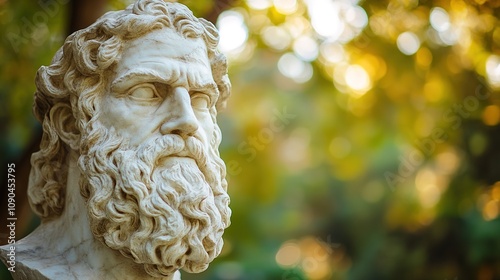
column 162, row 211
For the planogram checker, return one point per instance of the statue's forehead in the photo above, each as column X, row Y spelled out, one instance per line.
column 163, row 56
column 160, row 45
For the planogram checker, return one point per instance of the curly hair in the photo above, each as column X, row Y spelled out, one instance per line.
column 76, row 80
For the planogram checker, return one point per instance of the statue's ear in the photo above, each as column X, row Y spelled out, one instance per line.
column 62, row 118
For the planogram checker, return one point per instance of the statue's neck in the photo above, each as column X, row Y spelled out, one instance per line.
column 74, row 216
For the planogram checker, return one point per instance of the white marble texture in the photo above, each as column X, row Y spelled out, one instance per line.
column 128, row 180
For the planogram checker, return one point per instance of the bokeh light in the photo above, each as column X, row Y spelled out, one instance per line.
column 325, row 18
column 288, row 255
column 232, row 31
column 294, row 68
column 306, row 48
column 332, row 52
column 491, row 210
column 357, row 79
column 408, row 43
column 259, row 4
column 493, row 70
column 491, row 115
column 439, row 19
column 285, row 7
column 276, row 37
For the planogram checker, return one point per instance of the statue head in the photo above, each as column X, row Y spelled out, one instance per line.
column 135, row 96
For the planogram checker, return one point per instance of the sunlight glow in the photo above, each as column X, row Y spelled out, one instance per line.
column 408, row 43
column 450, row 36
column 314, row 269
column 337, row 20
column 429, row 196
column 288, row 255
column 427, row 185
column 332, row 52
column 297, row 26
column 493, row 70
column 232, row 30
column 495, row 192
column 299, row 143
column 447, row 162
column 306, row 48
column 276, row 37
column 445, row 33
column 357, row 79
column 316, row 260
column 325, row 18
column 294, row 68
column 259, row 4
column 339, row 75
column 356, row 16
column 424, row 178
column 439, row 19
column 285, row 7
column 491, row 115
column 490, row 210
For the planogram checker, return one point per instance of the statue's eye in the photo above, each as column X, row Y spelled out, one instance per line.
column 144, row 92
column 200, row 101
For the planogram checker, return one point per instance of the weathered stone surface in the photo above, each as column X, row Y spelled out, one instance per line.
column 128, row 180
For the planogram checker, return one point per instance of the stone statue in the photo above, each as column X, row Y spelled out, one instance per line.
column 128, row 180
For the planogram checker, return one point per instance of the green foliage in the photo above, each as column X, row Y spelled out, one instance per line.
column 396, row 171
column 32, row 34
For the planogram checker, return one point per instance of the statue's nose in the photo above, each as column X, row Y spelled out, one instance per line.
column 181, row 119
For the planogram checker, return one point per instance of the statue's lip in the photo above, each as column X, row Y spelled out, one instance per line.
column 178, row 156
column 183, row 154
column 176, row 159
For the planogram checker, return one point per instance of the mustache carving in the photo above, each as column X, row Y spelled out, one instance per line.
column 173, row 145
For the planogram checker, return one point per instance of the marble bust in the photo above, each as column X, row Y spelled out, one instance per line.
column 128, row 181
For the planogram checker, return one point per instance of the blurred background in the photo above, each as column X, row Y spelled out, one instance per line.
column 359, row 138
